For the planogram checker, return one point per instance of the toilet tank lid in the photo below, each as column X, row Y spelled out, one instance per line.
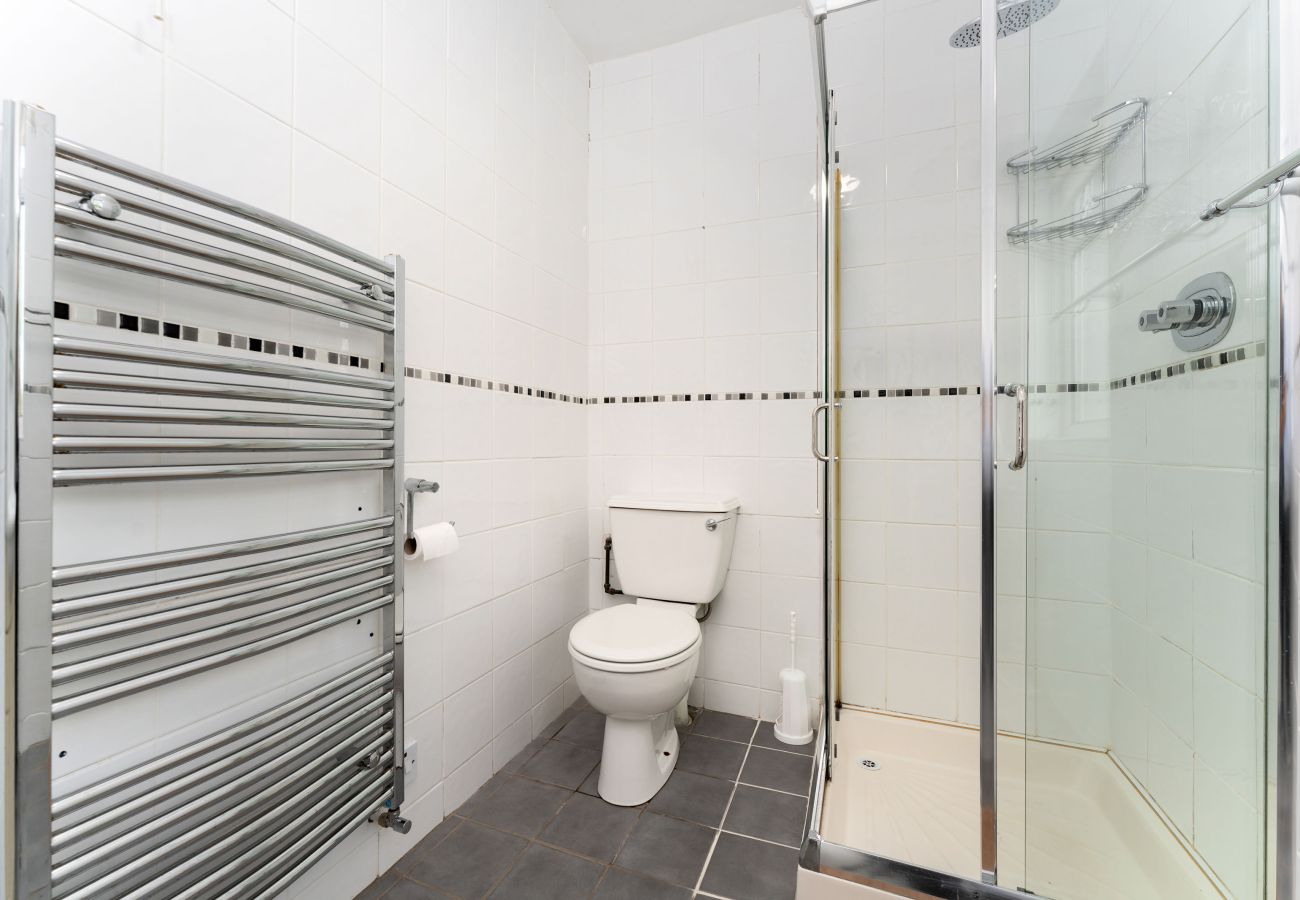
column 699, row 503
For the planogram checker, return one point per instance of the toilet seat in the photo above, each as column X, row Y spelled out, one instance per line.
column 631, row 638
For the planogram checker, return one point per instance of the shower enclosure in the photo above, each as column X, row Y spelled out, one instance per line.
column 1059, row 328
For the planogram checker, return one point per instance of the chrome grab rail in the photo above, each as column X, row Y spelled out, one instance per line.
column 1273, row 179
column 1020, row 394
column 816, row 438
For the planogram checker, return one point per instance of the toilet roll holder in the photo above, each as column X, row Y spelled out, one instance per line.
column 415, row 486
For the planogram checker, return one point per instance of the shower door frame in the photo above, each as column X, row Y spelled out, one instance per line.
column 1282, row 817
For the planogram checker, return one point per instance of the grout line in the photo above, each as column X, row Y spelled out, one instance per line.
column 726, row 810
column 762, row 787
column 750, row 837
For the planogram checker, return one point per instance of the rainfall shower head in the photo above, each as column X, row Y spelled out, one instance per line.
column 1013, row 16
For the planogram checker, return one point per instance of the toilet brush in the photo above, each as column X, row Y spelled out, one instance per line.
column 794, row 725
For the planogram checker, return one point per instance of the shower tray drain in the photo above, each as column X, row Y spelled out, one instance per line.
column 869, row 764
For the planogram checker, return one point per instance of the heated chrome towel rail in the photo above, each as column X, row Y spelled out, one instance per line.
column 185, row 814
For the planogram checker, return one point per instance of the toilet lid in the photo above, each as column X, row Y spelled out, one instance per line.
column 634, row 634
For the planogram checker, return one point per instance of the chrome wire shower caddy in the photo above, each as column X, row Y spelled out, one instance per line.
column 265, row 779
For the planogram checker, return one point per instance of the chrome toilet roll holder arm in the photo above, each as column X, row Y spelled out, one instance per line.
column 415, row 486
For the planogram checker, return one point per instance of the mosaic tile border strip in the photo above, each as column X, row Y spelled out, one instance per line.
column 118, row 320
column 1214, row 360
column 122, row 321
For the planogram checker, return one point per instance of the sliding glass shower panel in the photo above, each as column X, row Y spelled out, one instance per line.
column 1145, row 490
column 905, row 774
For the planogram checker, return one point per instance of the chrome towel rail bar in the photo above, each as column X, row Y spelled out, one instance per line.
column 81, row 188
column 125, row 474
column 72, row 633
column 283, row 742
column 150, row 561
column 340, row 824
column 185, row 387
column 200, row 636
column 141, row 852
column 113, row 444
column 1271, row 179
column 63, row 706
column 238, row 574
column 143, row 265
column 215, row 884
column 108, row 163
column 111, row 350
column 225, row 740
column 108, row 412
column 127, row 231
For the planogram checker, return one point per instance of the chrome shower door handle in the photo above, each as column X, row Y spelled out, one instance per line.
column 816, row 444
column 1020, row 394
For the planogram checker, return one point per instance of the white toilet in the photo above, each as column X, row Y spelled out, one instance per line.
column 634, row 662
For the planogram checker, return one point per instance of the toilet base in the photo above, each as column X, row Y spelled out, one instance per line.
column 638, row 757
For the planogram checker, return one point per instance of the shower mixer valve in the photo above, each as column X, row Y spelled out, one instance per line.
column 1199, row 316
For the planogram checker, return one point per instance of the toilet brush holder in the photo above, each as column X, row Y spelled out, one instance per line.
column 794, row 726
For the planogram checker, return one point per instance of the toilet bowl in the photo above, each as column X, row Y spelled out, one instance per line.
column 635, row 662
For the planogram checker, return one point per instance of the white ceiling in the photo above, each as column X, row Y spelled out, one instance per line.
column 606, row 29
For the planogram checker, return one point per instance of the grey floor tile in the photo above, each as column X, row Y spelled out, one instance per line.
column 543, row 872
column 741, row 867
column 779, row 771
column 620, row 884
column 767, row 814
column 766, row 738
column 551, row 728
column 586, row 729
column 520, row 806
column 567, row 765
column 724, row 726
column 380, row 886
column 592, row 827
column 698, row 798
column 469, row 861
column 517, row 762
column 592, row 785
column 668, row 849
column 710, row 756
column 428, row 842
column 410, row 890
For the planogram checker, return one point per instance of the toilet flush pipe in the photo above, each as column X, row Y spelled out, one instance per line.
column 609, row 548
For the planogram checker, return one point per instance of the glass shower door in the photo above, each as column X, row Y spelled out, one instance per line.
column 1145, row 491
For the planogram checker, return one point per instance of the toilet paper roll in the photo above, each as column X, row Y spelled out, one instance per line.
column 432, row 541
